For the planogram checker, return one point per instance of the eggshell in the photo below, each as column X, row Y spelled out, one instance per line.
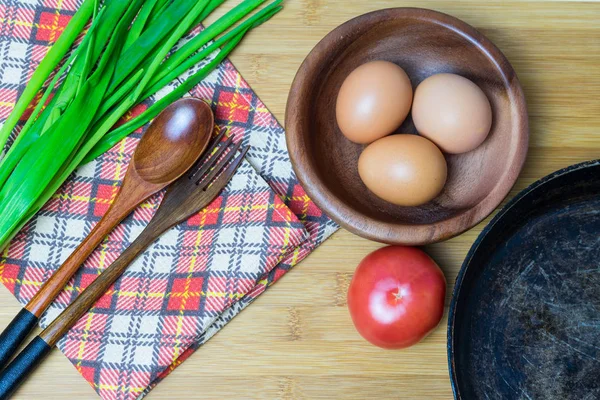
column 373, row 101
column 453, row 112
column 406, row 170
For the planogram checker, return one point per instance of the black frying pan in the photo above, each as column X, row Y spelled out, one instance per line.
column 524, row 320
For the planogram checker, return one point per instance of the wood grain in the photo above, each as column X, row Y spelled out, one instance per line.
column 423, row 43
column 555, row 48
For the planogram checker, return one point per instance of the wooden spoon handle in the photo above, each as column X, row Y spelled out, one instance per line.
column 30, row 358
column 57, row 281
column 132, row 193
column 67, row 319
column 23, row 365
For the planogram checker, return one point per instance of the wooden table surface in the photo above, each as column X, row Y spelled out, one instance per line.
column 297, row 341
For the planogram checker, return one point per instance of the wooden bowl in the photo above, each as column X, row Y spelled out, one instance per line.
column 423, row 43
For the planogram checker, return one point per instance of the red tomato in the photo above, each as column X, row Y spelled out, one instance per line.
column 396, row 297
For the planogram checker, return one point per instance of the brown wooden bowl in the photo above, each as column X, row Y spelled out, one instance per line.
column 423, row 42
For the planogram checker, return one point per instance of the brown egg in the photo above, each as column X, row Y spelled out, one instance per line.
column 406, row 170
column 452, row 112
column 373, row 102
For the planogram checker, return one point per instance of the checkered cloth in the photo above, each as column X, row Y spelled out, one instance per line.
column 197, row 277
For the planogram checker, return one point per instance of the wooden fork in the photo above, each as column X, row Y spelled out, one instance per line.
column 184, row 198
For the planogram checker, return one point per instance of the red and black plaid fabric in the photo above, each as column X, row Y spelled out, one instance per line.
column 197, row 277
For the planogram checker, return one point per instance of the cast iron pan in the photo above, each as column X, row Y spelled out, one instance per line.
column 525, row 316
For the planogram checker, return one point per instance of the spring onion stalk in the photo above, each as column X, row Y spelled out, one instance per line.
column 57, row 76
column 121, row 92
column 89, row 51
column 73, row 81
column 209, row 9
column 215, row 29
column 235, row 36
column 155, row 33
column 167, row 73
column 112, row 12
column 140, row 23
column 27, row 135
column 48, row 64
column 19, row 193
column 159, row 10
column 184, row 26
column 167, row 76
column 128, row 54
column 124, row 130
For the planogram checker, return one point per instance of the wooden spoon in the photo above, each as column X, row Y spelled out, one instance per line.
column 185, row 197
column 171, row 146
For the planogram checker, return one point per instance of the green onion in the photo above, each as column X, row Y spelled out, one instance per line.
column 140, row 23
column 155, row 33
column 209, row 9
column 159, row 10
column 27, row 137
column 217, row 28
column 235, row 35
column 124, row 130
column 124, row 58
column 180, row 30
column 168, row 72
column 162, row 80
column 20, row 192
column 52, row 59
column 88, row 64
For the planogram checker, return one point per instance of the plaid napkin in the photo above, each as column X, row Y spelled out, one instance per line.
column 195, row 279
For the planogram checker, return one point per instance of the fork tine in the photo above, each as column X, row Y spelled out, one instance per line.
column 217, row 139
column 226, row 176
column 205, row 181
column 208, row 152
column 212, row 160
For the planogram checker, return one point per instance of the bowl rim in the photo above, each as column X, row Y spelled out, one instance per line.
column 397, row 233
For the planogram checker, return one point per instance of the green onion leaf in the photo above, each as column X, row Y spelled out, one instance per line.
column 124, row 130
column 123, row 59
column 140, row 23
column 52, row 59
column 155, row 34
column 21, row 192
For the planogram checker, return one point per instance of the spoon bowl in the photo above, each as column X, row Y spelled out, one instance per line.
column 174, row 141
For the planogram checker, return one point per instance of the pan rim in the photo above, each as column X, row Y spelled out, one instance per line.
column 473, row 250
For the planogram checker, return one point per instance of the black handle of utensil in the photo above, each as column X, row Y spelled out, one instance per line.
column 15, row 334
column 24, row 364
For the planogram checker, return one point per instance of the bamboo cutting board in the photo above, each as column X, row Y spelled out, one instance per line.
column 297, row 341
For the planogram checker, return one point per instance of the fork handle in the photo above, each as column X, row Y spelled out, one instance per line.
column 70, row 315
column 20, row 327
column 16, row 372
column 129, row 196
column 15, row 334
column 29, row 359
